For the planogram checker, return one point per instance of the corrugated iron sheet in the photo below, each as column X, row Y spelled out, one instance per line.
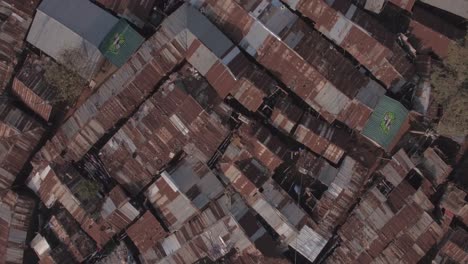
column 169, row 122
column 428, row 39
column 174, row 206
column 404, row 4
column 47, row 185
column 176, row 39
column 389, row 224
column 215, row 242
column 163, row 247
column 19, row 135
column 32, row 100
column 145, row 232
column 285, row 115
column 318, row 135
column 16, row 17
column 354, row 39
column 15, row 218
column 68, row 231
column 434, row 167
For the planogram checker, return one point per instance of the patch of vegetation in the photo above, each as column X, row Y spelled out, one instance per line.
column 87, row 190
column 64, row 77
column 450, row 90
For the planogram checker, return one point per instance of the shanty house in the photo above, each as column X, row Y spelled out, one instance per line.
column 80, row 27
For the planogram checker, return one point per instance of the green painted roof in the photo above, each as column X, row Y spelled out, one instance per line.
column 385, row 122
column 120, row 43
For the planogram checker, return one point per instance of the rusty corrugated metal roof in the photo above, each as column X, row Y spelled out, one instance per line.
column 354, row 39
column 15, row 218
column 169, row 122
column 434, row 167
column 145, row 232
column 390, row 223
column 47, row 185
column 19, row 135
column 428, row 39
column 69, row 232
column 32, row 100
column 404, row 4
column 16, row 19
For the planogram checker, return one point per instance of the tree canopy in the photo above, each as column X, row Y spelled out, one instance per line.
column 64, row 78
column 450, row 90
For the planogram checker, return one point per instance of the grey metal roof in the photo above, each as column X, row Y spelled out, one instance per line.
column 81, row 16
column 187, row 17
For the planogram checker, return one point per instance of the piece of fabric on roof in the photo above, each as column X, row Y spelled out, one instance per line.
column 385, row 122
column 120, row 43
column 82, row 17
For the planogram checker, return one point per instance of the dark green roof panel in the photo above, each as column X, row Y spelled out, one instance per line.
column 385, row 122
column 120, row 43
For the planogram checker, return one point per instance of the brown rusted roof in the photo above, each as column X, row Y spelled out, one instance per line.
column 156, row 58
column 390, row 222
column 32, row 100
column 434, row 167
column 15, row 218
column 29, row 85
column 404, row 4
column 455, row 249
column 354, row 39
column 285, row 115
column 47, row 185
column 426, row 39
column 19, row 135
column 145, row 232
column 16, row 19
column 68, row 231
column 169, row 122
